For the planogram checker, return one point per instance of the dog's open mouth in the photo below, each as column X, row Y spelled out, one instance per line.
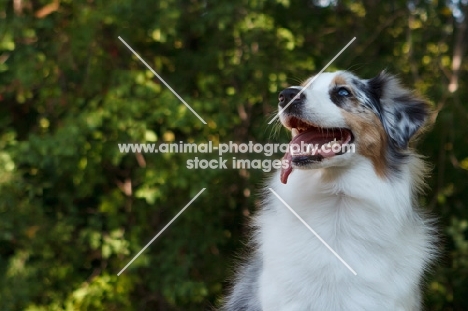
column 311, row 144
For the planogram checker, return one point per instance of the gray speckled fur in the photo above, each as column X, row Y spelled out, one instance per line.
column 244, row 294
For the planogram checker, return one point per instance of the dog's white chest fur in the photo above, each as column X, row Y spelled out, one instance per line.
column 368, row 222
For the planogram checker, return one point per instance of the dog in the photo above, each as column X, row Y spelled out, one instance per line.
column 363, row 204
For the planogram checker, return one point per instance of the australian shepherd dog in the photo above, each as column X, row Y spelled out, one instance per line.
column 362, row 204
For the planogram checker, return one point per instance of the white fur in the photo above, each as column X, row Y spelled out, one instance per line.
column 368, row 221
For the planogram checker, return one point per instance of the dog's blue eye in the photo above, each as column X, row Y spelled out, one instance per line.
column 343, row 92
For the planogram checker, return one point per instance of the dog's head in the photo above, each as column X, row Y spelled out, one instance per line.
column 339, row 115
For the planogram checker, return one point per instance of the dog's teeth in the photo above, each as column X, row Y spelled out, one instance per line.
column 295, row 132
column 333, row 143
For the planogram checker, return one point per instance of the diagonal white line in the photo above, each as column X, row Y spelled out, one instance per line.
column 313, row 79
column 162, row 80
column 311, row 230
column 160, row 232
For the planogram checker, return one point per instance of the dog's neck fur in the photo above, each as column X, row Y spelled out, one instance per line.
column 368, row 220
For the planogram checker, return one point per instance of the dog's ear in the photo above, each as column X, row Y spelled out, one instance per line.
column 401, row 112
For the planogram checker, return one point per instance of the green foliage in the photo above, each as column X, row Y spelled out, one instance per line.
column 75, row 210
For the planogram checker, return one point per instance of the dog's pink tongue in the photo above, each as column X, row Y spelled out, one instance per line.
column 315, row 139
column 286, row 171
column 286, row 165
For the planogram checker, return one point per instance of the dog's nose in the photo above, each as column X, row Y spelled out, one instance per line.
column 286, row 95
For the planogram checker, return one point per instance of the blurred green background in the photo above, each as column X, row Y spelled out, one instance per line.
column 74, row 210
